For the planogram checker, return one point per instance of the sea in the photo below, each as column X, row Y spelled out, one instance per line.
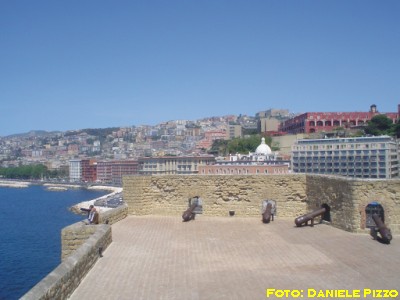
column 31, row 220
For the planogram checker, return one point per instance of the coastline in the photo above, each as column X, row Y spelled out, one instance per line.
column 85, row 204
column 14, row 184
column 60, row 187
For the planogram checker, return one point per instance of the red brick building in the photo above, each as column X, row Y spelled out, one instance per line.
column 326, row 121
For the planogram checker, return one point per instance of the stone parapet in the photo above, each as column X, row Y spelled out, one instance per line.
column 348, row 198
column 295, row 194
column 63, row 280
column 114, row 215
column 168, row 195
column 73, row 236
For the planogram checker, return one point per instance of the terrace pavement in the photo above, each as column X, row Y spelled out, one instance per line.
column 160, row 257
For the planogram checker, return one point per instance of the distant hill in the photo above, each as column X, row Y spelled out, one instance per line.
column 33, row 133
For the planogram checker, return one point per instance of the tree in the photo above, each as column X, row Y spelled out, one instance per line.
column 397, row 129
column 380, row 125
column 238, row 145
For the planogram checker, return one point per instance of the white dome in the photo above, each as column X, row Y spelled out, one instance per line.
column 263, row 149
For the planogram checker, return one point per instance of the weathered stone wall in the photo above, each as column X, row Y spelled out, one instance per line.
column 63, row 280
column 168, row 195
column 80, row 245
column 348, row 199
column 114, row 215
column 73, row 236
column 337, row 193
column 295, row 194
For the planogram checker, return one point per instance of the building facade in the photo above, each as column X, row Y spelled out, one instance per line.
column 361, row 157
column 111, row 172
column 75, row 170
column 262, row 162
column 210, row 137
column 173, row 164
column 235, row 131
column 311, row 122
column 89, row 170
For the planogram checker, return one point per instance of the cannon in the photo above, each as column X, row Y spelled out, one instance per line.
column 267, row 215
column 310, row 216
column 385, row 232
column 189, row 214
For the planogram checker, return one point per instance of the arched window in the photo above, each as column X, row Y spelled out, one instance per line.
column 328, row 123
column 312, row 123
column 336, row 123
column 320, row 123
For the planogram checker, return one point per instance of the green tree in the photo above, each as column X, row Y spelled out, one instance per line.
column 380, row 125
column 238, row 145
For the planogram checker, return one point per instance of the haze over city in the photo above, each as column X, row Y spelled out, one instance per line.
column 96, row 64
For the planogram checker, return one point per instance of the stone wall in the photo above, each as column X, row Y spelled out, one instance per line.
column 168, row 195
column 295, row 194
column 348, row 199
column 63, row 280
column 73, row 236
column 80, row 249
column 114, row 215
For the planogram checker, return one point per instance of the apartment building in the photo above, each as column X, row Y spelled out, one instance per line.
column 75, row 170
column 361, row 157
column 235, row 131
column 89, row 170
column 111, row 172
column 173, row 164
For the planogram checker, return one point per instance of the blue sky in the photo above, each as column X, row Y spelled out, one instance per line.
column 92, row 64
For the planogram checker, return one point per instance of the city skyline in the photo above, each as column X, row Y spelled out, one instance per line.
column 69, row 66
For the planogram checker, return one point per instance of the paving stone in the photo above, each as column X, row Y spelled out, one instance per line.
column 161, row 257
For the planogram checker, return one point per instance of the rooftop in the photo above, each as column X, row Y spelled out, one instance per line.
column 159, row 257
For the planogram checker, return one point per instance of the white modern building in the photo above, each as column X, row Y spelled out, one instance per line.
column 360, row 157
column 75, row 170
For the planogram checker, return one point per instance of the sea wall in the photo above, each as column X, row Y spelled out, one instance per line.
column 73, row 236
column 81, row 246
column 63, row 280
column 295, row 194
column 114, row 215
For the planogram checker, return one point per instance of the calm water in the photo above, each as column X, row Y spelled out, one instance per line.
column 30, row 234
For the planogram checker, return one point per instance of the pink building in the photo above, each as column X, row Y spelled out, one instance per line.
column 326, row 121
column 210, row 137
column 111, row 172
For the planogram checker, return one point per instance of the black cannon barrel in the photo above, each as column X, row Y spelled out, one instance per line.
column 310, row 216
column 188, row 214
column 266, row 215
column 383, row 230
